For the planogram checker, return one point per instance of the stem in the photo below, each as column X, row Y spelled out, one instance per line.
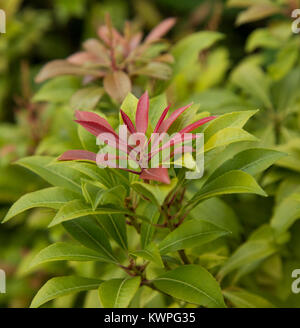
column 184, row 257
column 134, row 223
column 165, row 214
column 132, row 220
column 277, row 128
column 111, row 44
column 127, row 270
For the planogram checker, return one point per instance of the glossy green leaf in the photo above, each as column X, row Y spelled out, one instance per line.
column 262, row 37
column 108, row 177
column 284, row 62
column 87, row 140
column 256, row 12
column 241, row 298
column 226, row 137
column 57, row 174
column 118, row 293
column 88, row 233
column 231, row 182
column 61, row 286
column 115, row 195
column 286, row 213
column 59, row 89
column 53, row 197
column 187, row 50
column 259, row 246
column 150, row 253
column 77, row 208
column 129, row 106
column 115, row 226
column 251, row 161
column 147, row 229
column 190, row 234
column 155, row 193
column 284, row 91
column 217, row 212
column 66, row 252
column 229, row 120
column 252, row 80
column 86, row 98
column 157, row 106
column 193, row 284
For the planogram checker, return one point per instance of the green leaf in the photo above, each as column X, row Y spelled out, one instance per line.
column 241, row 298
column 155, row 193
column 77, row 208
column 129, row 106
column 53, row 197
column 189, row 116
column 229, row 120
column 262, row 37
column 286, row 213
column 97, row 194
column 115, row 227
column 232, row 182
column 284, row 62
column 147, row 230
column 251, row 161
column 87, row 98
column 252, row 80
column 257, row 12
column 90, row 191
column 217, row 212
column 190, row 234
column 150, row 253
column 59, row 89
column 66, row 252
column 87, row 140
column 186, row 51
column 292, row 161
column 284, row 91
column 57, row 174
column 193, row 284
column 108, row 177
column 61, row 286
column 118, row 293
column 154, row 69
column 226, row 137
column 157, row 106
column 87, row 232
column 259, row 246
column 116, row 195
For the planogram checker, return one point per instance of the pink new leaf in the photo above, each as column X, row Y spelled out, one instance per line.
column 142, row 112
column 162, row 117
column 177, row 139
column 73, row 155
column 169, row 121
column 128, row 122
column 195, row 125
column 160, row 30
column 92, row 117
column 158, row 174
column 81, row 58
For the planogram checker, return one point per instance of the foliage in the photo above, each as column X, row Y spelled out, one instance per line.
column 150, row 238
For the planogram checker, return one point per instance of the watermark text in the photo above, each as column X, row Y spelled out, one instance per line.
column 296, row 282
column 2, row 21
column 137, row 152
column 2, row 282
column 296, row 22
